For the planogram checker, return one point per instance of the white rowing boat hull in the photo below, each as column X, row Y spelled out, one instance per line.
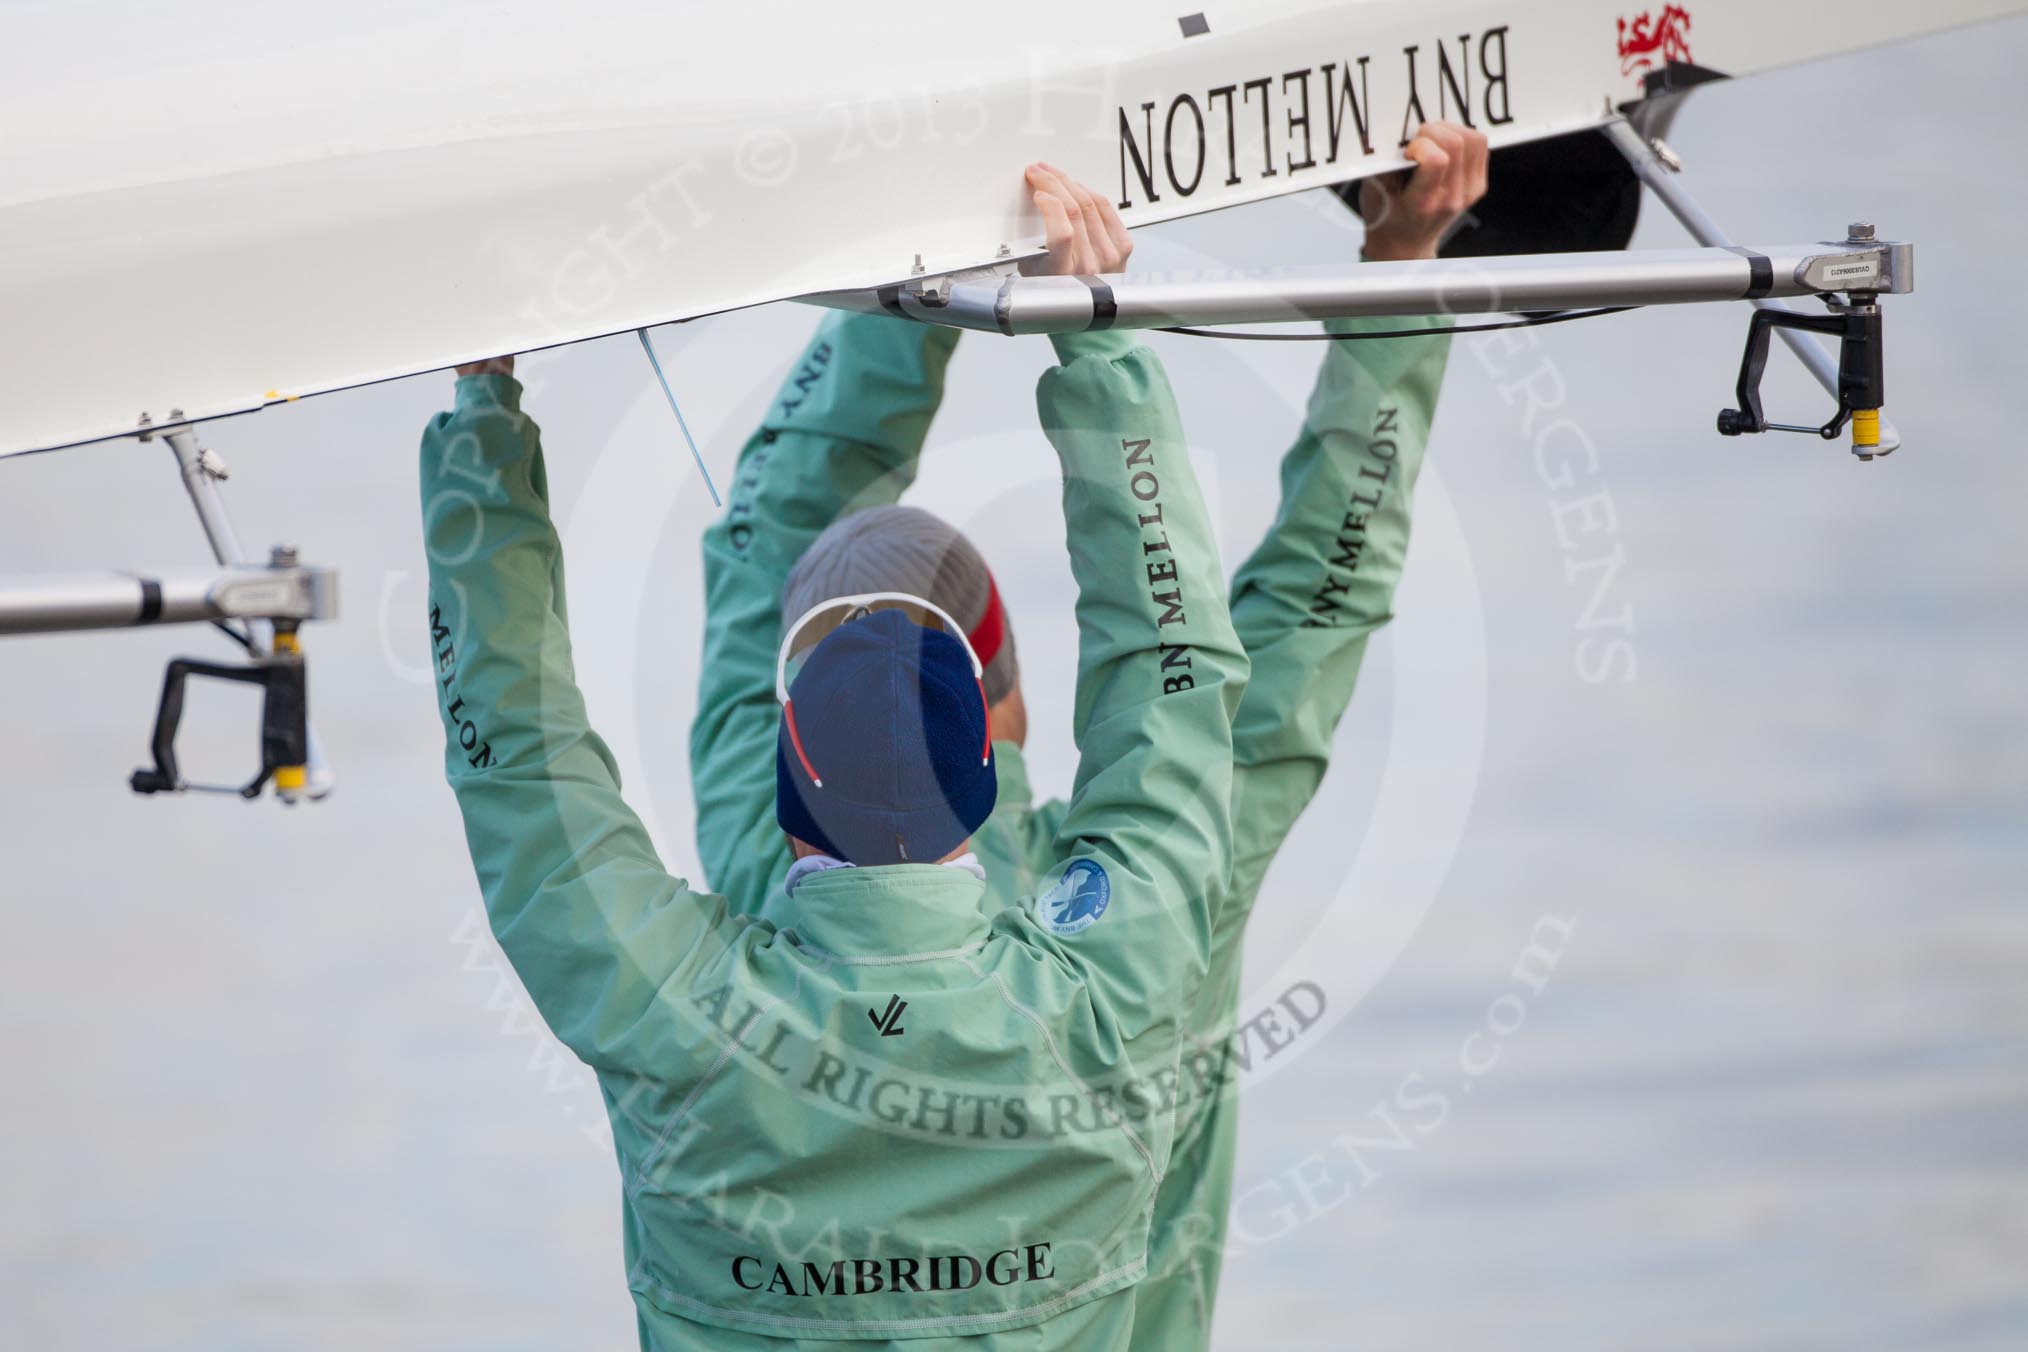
column 216, row 205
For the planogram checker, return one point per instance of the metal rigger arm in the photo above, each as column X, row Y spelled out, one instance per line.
column 1848, row 275
column 279, row 597
column 260, row 606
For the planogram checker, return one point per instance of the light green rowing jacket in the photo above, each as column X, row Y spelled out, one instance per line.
column 901, row 1117
column 845, row 433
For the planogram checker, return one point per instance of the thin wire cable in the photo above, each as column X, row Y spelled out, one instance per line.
column 1531, row 321
column 243, row 640
column 670, row 394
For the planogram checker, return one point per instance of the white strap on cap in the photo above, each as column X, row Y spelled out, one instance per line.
column 864, row 600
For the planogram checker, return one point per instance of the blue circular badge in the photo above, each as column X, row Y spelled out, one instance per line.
column 1078, row 897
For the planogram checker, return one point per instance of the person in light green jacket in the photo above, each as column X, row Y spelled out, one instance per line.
column 888, row 1116
column 817, row 482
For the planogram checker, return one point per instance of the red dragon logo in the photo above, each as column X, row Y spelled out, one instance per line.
column 1654, row 40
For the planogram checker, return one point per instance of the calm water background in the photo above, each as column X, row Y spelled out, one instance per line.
column 267, row 1084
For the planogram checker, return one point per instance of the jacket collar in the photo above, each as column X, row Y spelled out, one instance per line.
column 892, row 911
column 822, row 863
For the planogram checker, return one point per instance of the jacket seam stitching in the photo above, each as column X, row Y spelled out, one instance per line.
column 654, row 1155
column 888, row 961
column 1049, row 1040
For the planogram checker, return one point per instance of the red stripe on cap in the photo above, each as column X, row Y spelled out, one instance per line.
column 991, row 630
column 986, row 749
column 796, row 740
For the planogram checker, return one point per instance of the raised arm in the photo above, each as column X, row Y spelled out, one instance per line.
column 1323, row 580
column 576, row 895
column 843, row 434
column 1146, row 842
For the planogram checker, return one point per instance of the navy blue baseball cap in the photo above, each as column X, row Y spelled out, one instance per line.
column 883, row 755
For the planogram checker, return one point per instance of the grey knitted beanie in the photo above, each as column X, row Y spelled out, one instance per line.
column 906, row 549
